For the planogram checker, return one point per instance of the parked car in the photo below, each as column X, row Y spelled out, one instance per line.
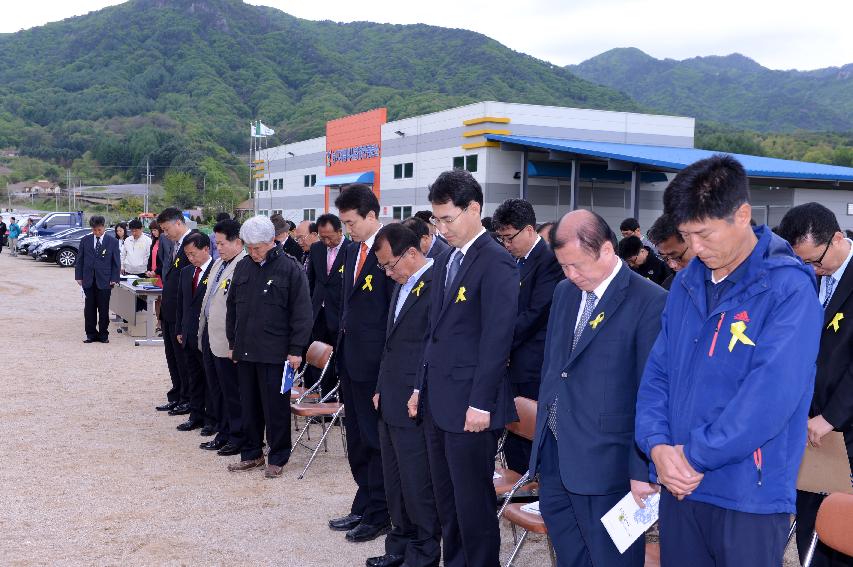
column 62, row 250
column 25, row 243
column 29, row 244
column 53, row 223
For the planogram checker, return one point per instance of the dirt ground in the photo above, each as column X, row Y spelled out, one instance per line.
column 93, row 475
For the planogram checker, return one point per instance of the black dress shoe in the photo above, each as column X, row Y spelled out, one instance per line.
column 87, row 340
column 180, row 409
column 189, row 425
column 213, row 445
column 367, row 532
column 168, row 406
column 105, row 341
column 387, row 560
column 207, row 431
column 228, row 449
column 346, row 523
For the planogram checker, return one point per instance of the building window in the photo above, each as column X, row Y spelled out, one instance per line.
column 276, row 211
column 468, row 163
column 309, row 181
column 264, row 185
column 309, row 214
column 404, row 170
column 398, row 171
column 313, row 180
column 402, row 213
column 263, row 212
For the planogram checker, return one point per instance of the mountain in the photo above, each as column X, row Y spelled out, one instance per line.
column 733, row 90
column 174, row 81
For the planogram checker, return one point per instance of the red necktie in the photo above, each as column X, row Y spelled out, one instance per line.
column 195, row 279
column 362, row 258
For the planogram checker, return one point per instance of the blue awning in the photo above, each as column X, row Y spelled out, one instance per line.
column 346, row 179
column 665, row 158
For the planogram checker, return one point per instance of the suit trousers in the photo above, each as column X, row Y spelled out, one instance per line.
column 462, row 467
column 96, row 312
column 824, row 556
column 363, row 452
column 703, row 535
column 574, row 520
column 229, row 384
column 176, row 360
column 196, row 383
column 213, row 402
column 264, row 407
column 517, row 449
column 416, row 534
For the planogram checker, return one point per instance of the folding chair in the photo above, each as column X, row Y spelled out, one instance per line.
column 319, row 356
column 508, row 482
column 832, row 527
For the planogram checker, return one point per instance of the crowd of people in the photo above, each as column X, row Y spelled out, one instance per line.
column 695, row 361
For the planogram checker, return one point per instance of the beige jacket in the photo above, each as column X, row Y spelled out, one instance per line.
column 216, row 296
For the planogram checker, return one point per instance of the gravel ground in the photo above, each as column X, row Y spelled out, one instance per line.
column 92, row 475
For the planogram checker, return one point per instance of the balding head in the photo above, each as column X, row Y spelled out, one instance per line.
column 584, row 246
column 304, row 236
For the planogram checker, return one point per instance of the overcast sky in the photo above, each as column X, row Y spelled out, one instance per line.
column 780, row 34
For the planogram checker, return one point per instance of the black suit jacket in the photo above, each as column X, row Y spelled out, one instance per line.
column 438, row 246
column 403, row 354
column 98, row 270
column 540, row 274
column 327, row 288
column 170, row 272
column 597, row 383
column 292, row 247
column 189, row 304
column 470, row 333
column 364, row 316
column 833, row 390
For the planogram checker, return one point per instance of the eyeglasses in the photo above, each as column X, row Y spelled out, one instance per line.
column 435, row 221
column 508, row 239
column 386, row 267
column 819, row 261
column 675, row 259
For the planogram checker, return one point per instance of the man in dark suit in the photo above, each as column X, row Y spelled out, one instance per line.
column 603, row 323
column 171, row 260
column 430, row 244
column 464, row 384
column 515, row 228
column 416, row 536
column 284, row 236
column 193, row 285
column 813, row 231
column 97, row 271
column 366, row 297
column 326, row 281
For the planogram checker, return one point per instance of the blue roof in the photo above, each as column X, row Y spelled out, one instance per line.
column 346, row 179
column 671, row 158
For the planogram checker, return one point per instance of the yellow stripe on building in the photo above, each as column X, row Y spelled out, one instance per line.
column 484, row 144
column 484, row 131
column 486, row 120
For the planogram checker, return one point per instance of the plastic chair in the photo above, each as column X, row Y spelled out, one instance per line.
column 833, row 526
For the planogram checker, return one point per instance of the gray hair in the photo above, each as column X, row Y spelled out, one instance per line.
column 257, row 230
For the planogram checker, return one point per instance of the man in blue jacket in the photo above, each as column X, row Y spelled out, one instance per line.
column 724, row 399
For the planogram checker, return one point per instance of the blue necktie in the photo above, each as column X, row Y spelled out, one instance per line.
column 828, row 289
column 452, row 270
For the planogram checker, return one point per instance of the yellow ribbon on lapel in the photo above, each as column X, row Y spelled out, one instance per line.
column 224, row 284
column 836, row 322
column 738, row 330
column 177, row 260
column 418, row 288
column 269, row 282
column 341, row 270
column 204, row 281
column 368, row 283
column 460, row 295
column 597, row 321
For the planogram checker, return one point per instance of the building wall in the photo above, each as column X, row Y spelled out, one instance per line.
column 835, row 199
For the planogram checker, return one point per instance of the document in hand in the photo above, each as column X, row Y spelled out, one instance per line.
column 826, row 469
column 287, row 378
column 626, row 521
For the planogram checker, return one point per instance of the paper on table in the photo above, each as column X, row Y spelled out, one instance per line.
column 826, row 469
column 626, row 521
column 532, row 508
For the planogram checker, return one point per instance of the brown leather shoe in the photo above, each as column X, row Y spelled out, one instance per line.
column 246, row 465
column 273, row 471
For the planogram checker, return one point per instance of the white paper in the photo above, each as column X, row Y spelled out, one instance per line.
column 626, row 521
column 531, row 508
column 495, row 476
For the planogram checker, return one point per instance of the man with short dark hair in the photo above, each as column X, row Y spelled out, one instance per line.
column 171, row 259
column 97, row 271
column 724, row 399
column 221, row 371
column 268, row 324
column 515, row 228
column 326, row 282
column 670, row 246
column 135, row 250
column 631, row 227
column 813, row 231
column 428, row 243
column 364, row 316
column 415, row 538
column 603, row 323
column 464, row 383
column 642, row 260
column 193, row 285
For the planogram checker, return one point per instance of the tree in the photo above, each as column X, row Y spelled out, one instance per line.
column 129, row 207
column 180, row 190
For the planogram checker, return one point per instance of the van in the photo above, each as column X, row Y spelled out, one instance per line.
column 56, row 222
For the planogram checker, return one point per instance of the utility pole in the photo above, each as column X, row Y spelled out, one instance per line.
column 147, row 183
column 68, row 186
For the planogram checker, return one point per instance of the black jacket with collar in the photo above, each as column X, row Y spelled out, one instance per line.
column 189, row 304
column 268, row 313
column 328, row 288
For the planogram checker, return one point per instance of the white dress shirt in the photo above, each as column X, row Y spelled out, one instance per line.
column 407, row 287
column 369, row 243
column 598, row 291
column 837, row 275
